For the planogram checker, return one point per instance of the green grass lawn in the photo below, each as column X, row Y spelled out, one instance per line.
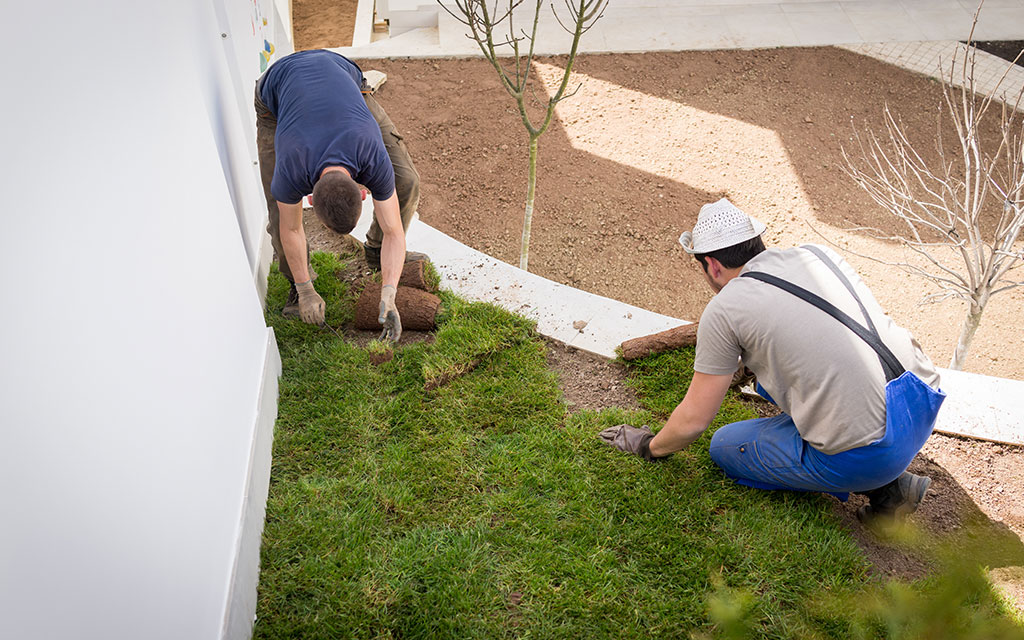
column 482, row 508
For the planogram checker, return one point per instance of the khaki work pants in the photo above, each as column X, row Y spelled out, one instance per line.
column 407, row 180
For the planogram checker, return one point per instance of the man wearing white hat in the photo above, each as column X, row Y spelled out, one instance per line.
column 857, row 394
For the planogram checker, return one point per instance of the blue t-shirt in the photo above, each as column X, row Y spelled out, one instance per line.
column 323, row 120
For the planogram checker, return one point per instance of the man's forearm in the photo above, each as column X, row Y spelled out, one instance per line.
column 294, row 245
column 293, row 240
column 392, row 250
column 678, row 433
column 392, row 258
column 693, row 415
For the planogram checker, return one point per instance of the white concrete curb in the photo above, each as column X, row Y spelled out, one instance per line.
column 982, row 407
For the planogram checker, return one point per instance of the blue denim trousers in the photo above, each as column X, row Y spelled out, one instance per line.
column 768, row 453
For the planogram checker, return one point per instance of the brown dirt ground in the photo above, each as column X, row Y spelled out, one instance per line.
column 624, row 169
column 322, row 24
column 648, row 139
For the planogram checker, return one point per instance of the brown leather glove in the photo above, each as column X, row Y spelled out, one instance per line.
column 631, row 440
column 389, row 315
column 311, row 305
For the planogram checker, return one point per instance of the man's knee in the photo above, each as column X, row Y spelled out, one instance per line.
column 724, row 444
column 726, row 436
column 407, row 186
column 735, row 446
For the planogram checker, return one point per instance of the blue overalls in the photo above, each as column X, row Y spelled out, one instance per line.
column 768, row 453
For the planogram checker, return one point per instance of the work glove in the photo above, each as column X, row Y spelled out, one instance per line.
column 631, row 440
column 389, row 314
column 311, row 305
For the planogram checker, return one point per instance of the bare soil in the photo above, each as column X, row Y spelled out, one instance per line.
column 588, row 381
column 648, row 139
column 625, row 167
column 323, row 24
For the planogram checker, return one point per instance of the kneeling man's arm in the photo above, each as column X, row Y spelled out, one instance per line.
column 392, row 255
column 693, row 415
column 293, row 239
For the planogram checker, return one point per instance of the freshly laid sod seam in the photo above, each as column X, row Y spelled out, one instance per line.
column 482, row 508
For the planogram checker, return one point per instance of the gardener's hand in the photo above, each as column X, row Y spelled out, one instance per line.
column 389, row 314
column 631, row 440
column 311, row 305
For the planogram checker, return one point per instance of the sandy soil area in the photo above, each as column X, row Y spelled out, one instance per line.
column 629, row 160
column 322, row 24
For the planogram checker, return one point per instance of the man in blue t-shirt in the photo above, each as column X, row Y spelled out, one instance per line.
column 317, row 133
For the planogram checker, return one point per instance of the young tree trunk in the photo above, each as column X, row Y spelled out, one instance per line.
column 967, row 331
column 531, row 190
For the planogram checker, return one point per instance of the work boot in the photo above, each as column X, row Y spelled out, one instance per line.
column 373, row 257
column 291, row 307
column 895, row 501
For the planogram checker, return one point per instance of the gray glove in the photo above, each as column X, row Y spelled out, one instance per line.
column 631, row 440
column 389, row 314
column 311, row 305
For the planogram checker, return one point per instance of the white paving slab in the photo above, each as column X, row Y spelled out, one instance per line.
column 822, row 28
column 982, row 407
column 362, row 33
column 977, row 406
column 929, row 57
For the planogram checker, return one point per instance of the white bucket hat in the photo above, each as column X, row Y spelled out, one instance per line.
column 719, row 225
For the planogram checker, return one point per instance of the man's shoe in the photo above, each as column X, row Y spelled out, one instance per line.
column 895, row 501
column 373, row 257
column 291, row 307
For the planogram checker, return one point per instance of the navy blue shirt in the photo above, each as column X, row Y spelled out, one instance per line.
column 323, row 120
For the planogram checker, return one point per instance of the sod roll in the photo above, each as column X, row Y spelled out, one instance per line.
column 417, row 308
column 684, row 336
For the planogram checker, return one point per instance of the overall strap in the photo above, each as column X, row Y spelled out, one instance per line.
column 842, row 278
column 890, row 364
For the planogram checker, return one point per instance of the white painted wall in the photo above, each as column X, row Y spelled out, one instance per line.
column 137, row 376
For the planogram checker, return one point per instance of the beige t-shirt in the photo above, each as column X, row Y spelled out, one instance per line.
column 816, row 369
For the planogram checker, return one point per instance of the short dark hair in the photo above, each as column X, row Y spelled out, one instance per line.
column 337, row 201
column 735, row 256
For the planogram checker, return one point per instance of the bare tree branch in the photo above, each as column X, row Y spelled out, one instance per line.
column 968, row 200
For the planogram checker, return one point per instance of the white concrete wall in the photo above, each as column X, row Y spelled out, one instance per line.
column 138, row 380
column 406, row 15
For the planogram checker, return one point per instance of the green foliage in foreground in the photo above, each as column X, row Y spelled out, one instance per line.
column 477, row 507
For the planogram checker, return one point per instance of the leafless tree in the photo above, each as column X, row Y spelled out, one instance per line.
column 962, row 211
column 511, row 52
